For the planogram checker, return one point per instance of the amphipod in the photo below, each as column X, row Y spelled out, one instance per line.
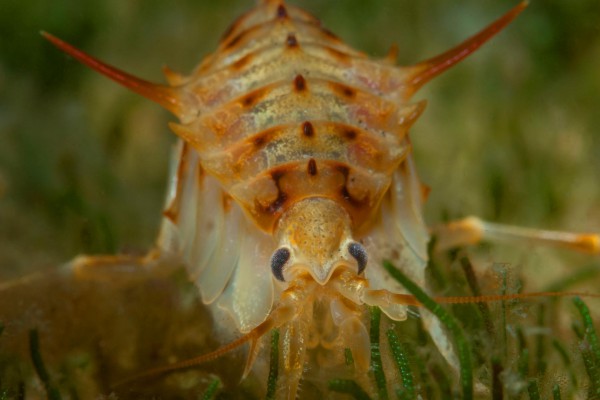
column 293, row 181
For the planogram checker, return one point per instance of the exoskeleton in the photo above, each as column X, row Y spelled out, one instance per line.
column 293, row 181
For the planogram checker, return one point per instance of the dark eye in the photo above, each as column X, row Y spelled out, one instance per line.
column 280, row 257
column 360, row 254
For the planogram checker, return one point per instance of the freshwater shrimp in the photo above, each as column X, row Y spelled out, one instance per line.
column 298, row 146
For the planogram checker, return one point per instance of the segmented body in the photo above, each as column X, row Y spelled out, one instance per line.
column 295, row 155
column 293, row 139
column 285, row 112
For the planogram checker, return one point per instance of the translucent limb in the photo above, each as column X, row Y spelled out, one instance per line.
column 293, row 348
column 352, row 333
column 292, row 299
column 355, row 288
column 108, row 268
column 472, row 230
column 117, row 268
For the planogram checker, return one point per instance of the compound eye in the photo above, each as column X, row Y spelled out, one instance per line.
column 359, row 253
column 278, row 261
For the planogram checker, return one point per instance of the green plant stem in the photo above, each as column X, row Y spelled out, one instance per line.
column 464, row 351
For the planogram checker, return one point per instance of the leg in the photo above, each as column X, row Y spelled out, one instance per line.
column 114, row 267
column 105, row 268
column 472, row 230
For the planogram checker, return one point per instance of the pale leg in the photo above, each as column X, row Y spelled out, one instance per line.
column 114, row 267
column 472, row 230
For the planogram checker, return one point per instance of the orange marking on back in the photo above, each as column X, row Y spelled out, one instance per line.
column 299, row 83
column 242, row 62
column 343, row 90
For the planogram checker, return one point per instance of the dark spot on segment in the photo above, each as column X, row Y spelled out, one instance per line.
column 232, row 27
column 307, row 129
column 259, row 141
column 291, row 41
column 276, row 205
column 276, row 175
column 238, row 38
column 312, row 167
column 348, row 92
column 252, row 98
column 350, row 134
column 249, row 100
column 242, row 62
column 228, row 31
column 343, row 169
column 171, row 214
column 338, row 55
column 281, row 12
column 330, row 34
column 299, row 83
column 234, row 41
column 344, row 90
column 351, row 200
column 346, row 194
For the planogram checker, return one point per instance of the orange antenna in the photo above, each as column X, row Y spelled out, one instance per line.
column 192, row 362
column 501, row 297
column 423, row 72
column 166, row 96
column 251, row 337
column 410, row 300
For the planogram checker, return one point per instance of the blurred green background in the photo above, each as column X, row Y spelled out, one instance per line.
column 512, row 134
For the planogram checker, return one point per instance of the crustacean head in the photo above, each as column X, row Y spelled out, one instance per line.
column 315, row 236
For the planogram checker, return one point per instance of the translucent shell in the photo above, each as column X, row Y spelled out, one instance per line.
column 284, row 112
